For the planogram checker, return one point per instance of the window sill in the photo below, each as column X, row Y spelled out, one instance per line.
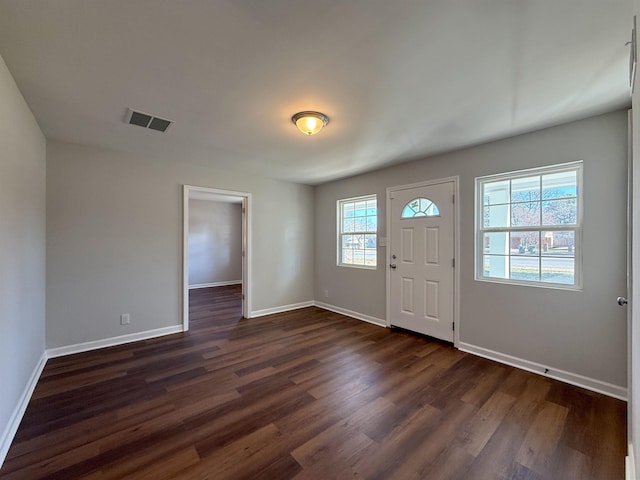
column 362, row 267
column 553, row 286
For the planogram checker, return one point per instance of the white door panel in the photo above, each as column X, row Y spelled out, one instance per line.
column 432, row 235
column 422, row 248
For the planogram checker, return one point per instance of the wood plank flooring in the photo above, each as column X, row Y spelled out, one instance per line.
column 307, row 394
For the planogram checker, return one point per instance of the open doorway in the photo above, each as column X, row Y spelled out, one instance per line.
column 216, row 243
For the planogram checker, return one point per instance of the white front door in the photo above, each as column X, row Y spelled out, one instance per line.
column 421, row 259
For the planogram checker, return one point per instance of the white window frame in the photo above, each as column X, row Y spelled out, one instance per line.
column 339, row 210
column 480, row 230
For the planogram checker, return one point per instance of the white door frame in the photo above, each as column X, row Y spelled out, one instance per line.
column 633, row 297
column 456, row 248
column 246, row 248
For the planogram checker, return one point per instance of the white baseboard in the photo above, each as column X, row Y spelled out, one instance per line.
column 215, row 284
column 14, row 422
column 113, row 341
column 325, row 306
column 283, row 308
column 592, row 384
column 630, row 465
column 352, row 314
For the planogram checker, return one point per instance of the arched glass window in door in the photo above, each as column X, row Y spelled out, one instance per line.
column 420, row 207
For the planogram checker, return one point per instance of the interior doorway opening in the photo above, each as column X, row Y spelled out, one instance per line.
column 216, row 244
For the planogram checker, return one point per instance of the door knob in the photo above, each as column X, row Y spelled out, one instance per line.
column 393, row 265
column 621, row 301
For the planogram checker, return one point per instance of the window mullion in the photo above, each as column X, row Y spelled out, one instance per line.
column 540, row 248
column 540, row 231
column 540, row 199
column 509, row 206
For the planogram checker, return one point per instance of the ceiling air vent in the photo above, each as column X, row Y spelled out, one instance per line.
column 147, row 121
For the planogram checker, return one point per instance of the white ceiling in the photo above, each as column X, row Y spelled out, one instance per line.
column 399, row 79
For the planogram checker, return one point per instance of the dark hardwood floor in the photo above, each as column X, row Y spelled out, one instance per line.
column 307, row 394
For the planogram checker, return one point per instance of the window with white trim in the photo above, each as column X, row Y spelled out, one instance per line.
column 358, row 231
column 529, row 227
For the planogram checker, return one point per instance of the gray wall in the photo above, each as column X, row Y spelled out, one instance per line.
column 215, row 242
column 22, row 246
column 114, row 240
column 581, row 332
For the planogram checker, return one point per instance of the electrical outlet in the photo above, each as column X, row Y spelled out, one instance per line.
column 125, row 319
column 326, row 293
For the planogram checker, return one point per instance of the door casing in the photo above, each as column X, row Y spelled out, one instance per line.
column 246, row 248
column 456, row 248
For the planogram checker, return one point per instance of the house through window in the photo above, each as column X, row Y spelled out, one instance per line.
column 529, row 226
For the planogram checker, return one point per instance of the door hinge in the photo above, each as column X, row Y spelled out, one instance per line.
column 453, row 262
column 453, row 198
column 453, row 326
column 243, row 296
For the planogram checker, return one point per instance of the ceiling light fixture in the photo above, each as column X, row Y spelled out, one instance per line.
column 310, row 123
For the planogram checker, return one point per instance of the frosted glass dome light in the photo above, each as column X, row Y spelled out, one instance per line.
column 310, row 123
